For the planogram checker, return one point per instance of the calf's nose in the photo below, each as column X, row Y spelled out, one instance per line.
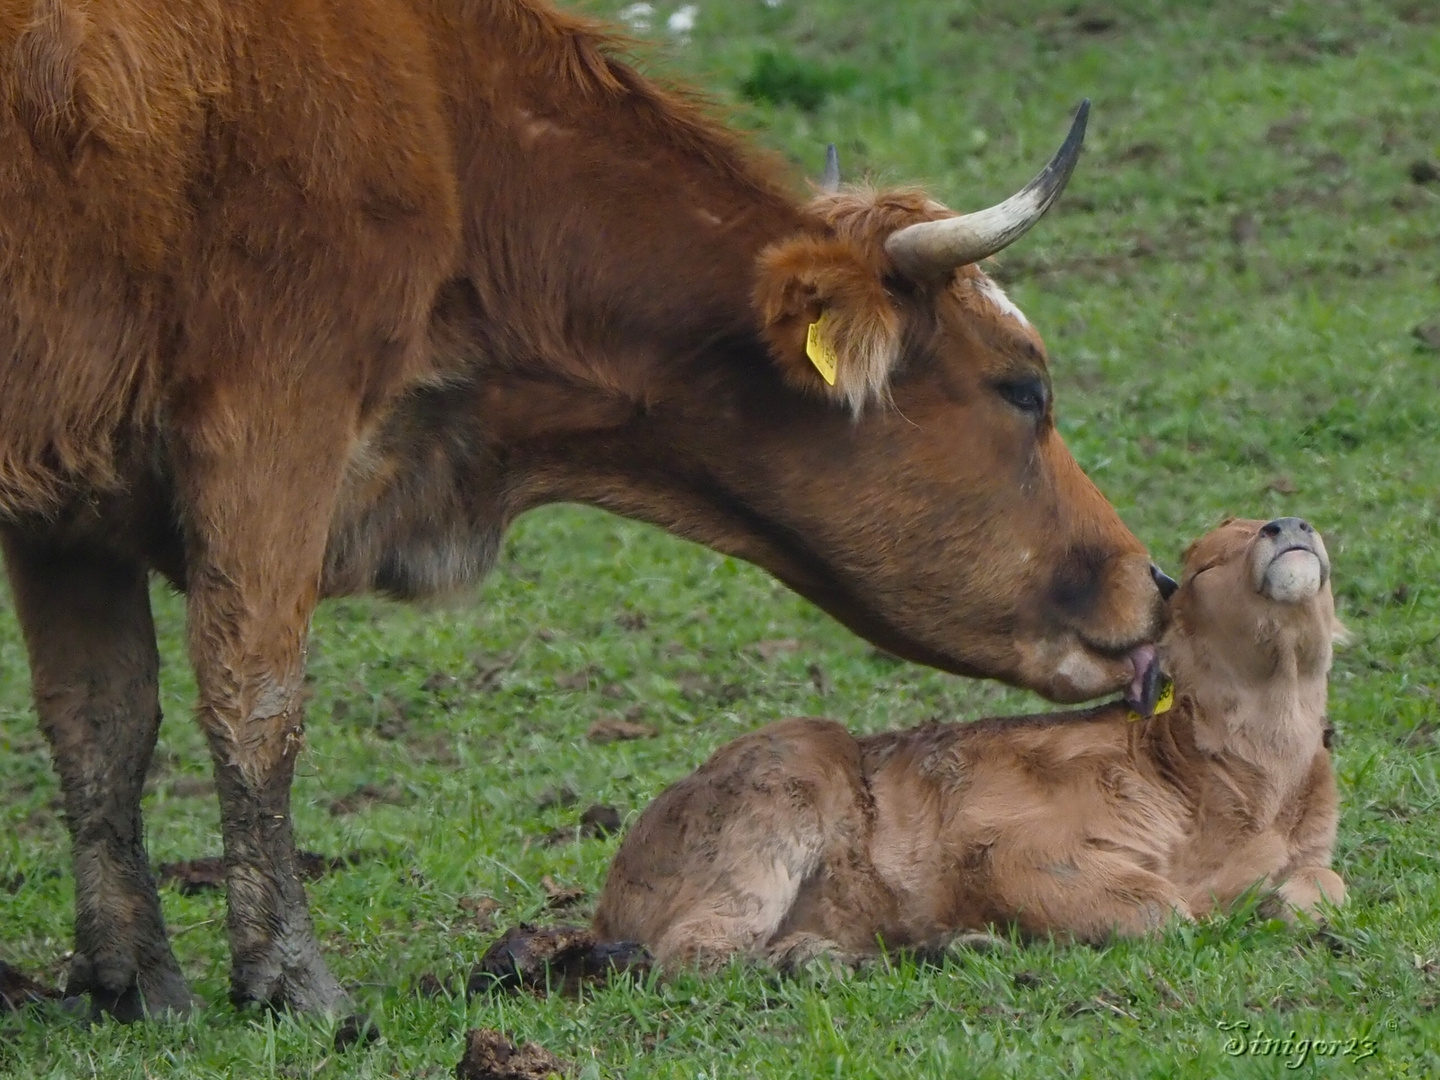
column 1286, row 526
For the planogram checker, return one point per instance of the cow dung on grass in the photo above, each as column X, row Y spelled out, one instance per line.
column 489, row 1055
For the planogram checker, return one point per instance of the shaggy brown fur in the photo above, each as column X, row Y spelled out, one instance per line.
column 306, row 297
column 800, row 839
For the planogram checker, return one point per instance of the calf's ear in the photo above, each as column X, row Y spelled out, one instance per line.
column 827, row 319
column 1340, row 635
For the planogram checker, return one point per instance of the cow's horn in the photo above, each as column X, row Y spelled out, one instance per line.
column 932, row 249
column 830, row 178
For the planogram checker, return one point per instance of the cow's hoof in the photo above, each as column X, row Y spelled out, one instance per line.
column 300, row 988
column 115, row 990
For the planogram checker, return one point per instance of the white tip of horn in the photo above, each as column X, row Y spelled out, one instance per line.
column 932, row 249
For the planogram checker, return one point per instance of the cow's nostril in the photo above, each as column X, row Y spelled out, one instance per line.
column 1272, row 529
column 1305, row 526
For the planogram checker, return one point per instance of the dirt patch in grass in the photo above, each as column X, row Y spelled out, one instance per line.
column 387, row 718
column 634, row 621
column 480, row 910
column 775, row 648
column 556, row 796
column 610, row 729
column 697, row 687
column 598, row 821
column 1422, row 736
column 486, row 674
column 1281, row 485
column 430, row 985
column 192, row 876
column 366, row 795
column 358, row 1030
column 190, row 787
column 489, row 1055
column 578, row 680
column 561, row 896
column 1423, row 171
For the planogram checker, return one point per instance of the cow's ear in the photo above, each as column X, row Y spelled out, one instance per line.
column 827, row 319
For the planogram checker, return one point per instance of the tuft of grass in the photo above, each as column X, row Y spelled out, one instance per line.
column 780, row 78
column 1229, row 290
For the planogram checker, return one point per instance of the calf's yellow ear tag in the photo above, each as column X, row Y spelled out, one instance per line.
column 1167, row 697
column 1164, row 703
column 820, row 352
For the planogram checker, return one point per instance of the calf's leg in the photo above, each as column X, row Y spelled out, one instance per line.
column 1091, row 895
column 761, row 851
column 735, row 902
column 94, row 668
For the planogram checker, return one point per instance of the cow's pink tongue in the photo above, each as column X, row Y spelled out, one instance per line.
column 1145, row 680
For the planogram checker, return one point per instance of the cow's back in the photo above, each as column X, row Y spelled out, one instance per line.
column 180, row 177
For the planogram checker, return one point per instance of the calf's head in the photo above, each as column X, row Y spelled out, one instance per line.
column 911, row 480
column 1255, row 603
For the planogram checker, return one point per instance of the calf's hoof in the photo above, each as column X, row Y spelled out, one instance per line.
column 805, row 953
column 979, row 941
column 1305, row 895
column 556, row 958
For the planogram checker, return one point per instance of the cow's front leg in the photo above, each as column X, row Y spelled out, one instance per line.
column 258, row 492
column 86, row 619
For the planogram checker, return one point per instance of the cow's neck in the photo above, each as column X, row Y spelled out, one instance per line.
column 613, row 271
column 603, row 316
column 615, row 227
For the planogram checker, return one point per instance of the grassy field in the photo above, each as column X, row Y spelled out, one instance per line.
column 1229, row 290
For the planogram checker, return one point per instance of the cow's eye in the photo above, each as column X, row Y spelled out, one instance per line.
column 1027, row 395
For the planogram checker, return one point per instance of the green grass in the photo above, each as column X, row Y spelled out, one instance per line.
column 1228, row 290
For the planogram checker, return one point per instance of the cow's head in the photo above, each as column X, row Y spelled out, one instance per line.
column 919, row 491
column 924, row 496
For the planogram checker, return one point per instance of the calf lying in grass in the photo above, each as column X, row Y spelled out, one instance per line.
column 801, row 839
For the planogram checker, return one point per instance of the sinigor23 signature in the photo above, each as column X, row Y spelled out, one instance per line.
column 1292, row 1047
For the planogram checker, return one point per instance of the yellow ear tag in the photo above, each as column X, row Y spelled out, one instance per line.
column 820, row 352
column 1164, row 703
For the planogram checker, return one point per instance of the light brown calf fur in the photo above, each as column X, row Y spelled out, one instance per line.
column 800, row 839
column 310, row 297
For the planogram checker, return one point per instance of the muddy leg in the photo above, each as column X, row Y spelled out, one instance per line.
column 258, row 494
column 94, row 668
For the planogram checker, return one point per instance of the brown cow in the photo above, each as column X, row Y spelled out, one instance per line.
column 800, row 839
column 307, row 297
